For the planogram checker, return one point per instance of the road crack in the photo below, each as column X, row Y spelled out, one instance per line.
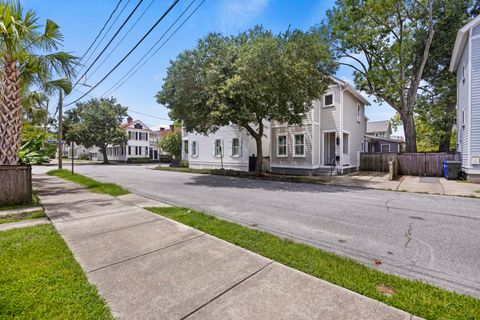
column 408, row 235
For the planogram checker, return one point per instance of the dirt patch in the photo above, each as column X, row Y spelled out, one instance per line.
column 386, row 290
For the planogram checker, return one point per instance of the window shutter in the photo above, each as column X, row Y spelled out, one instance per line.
column 231, row 146
column 214, row 145
column 240, row 146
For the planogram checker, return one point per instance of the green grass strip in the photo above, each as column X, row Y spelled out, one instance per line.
column 415, row 297
column 94, row 185
column 40, row 279
column 15, row 217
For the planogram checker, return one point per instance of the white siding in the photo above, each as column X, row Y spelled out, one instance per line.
column 205, row 148
column 356, row 129
column 476, row 31
column 475, row 101
column 463, row 116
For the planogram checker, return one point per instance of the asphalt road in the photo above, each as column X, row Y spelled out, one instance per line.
column 427, row 237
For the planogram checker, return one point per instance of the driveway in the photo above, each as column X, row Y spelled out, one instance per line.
column 428, row 237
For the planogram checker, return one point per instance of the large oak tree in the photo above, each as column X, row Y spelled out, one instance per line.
column 387, row 43
column 247, row 80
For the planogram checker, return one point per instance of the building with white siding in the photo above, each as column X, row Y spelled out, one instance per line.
column 466, row 63
column 330, row 139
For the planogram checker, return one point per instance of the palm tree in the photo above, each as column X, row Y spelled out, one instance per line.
column 29, row 57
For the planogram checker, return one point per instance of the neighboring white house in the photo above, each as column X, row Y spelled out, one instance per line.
column 142, row 143
column 330, row 139
column 230, row 147
column 466, row 63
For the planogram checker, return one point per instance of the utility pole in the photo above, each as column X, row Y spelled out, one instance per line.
column 60, row 135
column 73, row 159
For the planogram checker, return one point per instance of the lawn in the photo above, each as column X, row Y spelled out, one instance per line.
column 415, row 297
column 94, row 185
column 40, row 279
column 15, row 217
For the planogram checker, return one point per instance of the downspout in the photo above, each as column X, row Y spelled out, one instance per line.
column 469, row 97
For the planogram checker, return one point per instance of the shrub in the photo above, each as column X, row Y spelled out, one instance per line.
column 184, row 164
column 138, row 160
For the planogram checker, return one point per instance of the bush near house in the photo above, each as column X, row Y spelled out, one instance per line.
column 138, row 160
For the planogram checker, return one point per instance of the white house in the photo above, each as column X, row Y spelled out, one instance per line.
column 230, row 147
column 330, row 139
column 142, row 143
column 466, row 63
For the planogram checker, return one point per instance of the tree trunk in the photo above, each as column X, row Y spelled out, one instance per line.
column 410, row 133
column 258, row 164
column 444, row 145
column 105, row 158
column 10, row 115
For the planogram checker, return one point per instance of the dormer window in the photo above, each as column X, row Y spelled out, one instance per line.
column 138, row 126
column 328, row 100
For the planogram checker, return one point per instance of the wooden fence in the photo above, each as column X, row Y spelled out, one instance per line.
column 415, row 164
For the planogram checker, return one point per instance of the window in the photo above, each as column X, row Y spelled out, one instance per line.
column 136, row 135
column 328, row 100
column 194, row 148
column 138, row 126
column 385, row 148
column 281, row 146
column 218, row 148
column 463, row 73
column 359, row 112
column 136, row 151
column 299, row 147
column 345, row 143
column 129, row 150
column 235, row 147
column 185, row 146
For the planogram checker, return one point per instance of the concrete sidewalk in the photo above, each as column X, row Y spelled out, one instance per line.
column 430, row 185
column 149, row 267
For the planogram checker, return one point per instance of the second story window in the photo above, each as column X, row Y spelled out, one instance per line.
column 185, row 146
column 359, row 112
column 328, row 100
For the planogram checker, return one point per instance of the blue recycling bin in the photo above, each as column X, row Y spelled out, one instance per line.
column 445, row 168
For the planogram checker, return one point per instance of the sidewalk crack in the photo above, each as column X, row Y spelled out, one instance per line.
column 225, row 291
column 146, row 253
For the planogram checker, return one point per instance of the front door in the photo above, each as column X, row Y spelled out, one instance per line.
column 328, row 148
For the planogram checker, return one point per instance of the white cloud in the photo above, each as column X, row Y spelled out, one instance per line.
column 238, row 13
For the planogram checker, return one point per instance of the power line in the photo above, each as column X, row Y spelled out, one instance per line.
column 128, row 74
column 148, row 115
column 109, row 42
column 105, row 34
column 101, row 30
column 123, row 38
column 130, row 52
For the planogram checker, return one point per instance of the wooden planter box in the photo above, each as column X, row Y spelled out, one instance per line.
column 15, row 185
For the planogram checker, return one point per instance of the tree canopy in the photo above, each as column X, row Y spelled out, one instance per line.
column 96, row 122
column 172, row 143
column 387, row 43
column 248, row 80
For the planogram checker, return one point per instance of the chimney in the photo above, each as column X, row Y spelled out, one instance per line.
column 129, row 119
column 161, row 129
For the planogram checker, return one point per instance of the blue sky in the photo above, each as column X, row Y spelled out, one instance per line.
column 80, row 21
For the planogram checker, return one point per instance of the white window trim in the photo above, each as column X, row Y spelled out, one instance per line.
column 359, row 112
column 343, row 142
column 194, row 153
column 304, row 145
column 239, row 148
column 333, row 100
column 286, row 145
column 384, row 144
column 215, row 149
